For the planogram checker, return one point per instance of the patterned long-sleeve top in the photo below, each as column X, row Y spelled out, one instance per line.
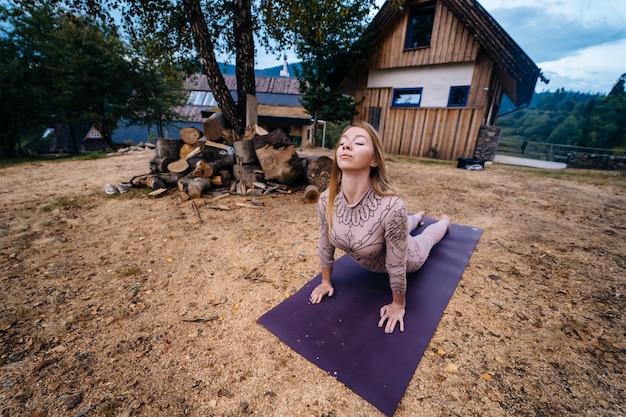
column 373, row 231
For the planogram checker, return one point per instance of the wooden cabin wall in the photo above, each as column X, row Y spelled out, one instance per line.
column 451, row 42
column 442, row 133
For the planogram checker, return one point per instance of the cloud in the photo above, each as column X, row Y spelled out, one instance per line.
column 592, row 69
column 547, row 37
column 575, row 42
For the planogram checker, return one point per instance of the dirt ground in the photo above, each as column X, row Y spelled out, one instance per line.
column 120, row 305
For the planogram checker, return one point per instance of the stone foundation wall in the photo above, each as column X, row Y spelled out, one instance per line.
column 594, row 161
column 487, row 142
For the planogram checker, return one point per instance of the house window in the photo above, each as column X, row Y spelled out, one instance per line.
column 196, row 98
column 209, row 100
column 406, row 97
column 420, row 28
column 458, row 96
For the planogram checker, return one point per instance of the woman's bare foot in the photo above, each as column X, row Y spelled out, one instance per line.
column 415, row 220
column 445, row 218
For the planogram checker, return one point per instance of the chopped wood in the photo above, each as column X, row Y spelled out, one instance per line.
column 217, row 145
column 159, row 164
column 186, row 149
column 202, row 169
column 154, row 182
column 183, row 196
column 253, row 130
column 244, row 152
column 311, row 194
column 218, row 207
column 248, row 173
column 213, row 126
column 318, row 171
column 278, row 157
column 158, row 193
column 190, row 135
column 198, row 186
column 245, row 205
column 182, row 165
column 168, row 148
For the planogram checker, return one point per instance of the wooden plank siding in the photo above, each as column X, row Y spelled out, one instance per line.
column 451, row 42
column 447, row 132
column 450, row 132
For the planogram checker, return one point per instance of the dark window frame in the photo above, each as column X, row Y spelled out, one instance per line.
column 420, row 25
column 453, row 96
column 400, row 91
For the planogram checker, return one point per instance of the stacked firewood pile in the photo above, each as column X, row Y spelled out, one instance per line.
column 218, row 160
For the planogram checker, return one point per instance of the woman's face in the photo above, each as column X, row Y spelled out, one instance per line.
column 355, row 150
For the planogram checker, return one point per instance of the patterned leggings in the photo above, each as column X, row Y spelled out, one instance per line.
column 419, row 246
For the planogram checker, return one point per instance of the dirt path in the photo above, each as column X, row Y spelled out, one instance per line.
column 99, row 293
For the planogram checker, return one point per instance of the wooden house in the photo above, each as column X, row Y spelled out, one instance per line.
column 434, row 80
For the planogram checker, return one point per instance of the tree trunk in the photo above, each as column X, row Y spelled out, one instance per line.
column 244, row 58
column 105, row 130
column 210, row 68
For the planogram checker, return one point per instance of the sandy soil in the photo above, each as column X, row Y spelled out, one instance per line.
column 100, row 297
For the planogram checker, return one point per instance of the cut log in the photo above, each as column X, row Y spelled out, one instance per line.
column 190, row 135
column 168, row 148
column 158, row 193
column 230, row 136
column 154, row 182
column 318, row 171
column 213, row 126
column 208, row 169
column 182, row 164
column 198, row 186
column 222, row 179
column 311, row 194
column 244, row 152
column 159, row 164
column 253, row 130
column 185, row 150
column 278, row 157
column 218, row 145
column 183, row 182
column 248, row 173
column 282, row 165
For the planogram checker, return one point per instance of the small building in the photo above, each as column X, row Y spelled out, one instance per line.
column 58, row 139
column 434, row 82
column 278, row 98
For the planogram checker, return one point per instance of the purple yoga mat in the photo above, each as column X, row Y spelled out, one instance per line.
column 341, row 334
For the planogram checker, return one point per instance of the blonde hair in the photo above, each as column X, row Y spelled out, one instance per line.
column 378, row 174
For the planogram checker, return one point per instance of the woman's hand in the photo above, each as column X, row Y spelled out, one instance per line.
column 320, row 291
column 393, row 314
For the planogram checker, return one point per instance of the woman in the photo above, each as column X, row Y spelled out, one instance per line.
column 370, row 222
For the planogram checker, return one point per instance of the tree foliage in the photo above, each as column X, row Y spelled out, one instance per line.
column 329, row 38
column 572, row 118
column 69, row 69
column 197, row 31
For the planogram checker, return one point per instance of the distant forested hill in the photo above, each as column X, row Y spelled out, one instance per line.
column 229, row 69
column 569, row 118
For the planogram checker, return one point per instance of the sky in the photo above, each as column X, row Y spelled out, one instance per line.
column 579, row 45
